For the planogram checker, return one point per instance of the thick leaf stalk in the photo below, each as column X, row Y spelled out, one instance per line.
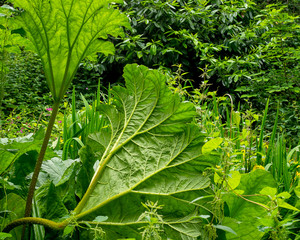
column 40, row 160
column 37, row 169
column 32, row 220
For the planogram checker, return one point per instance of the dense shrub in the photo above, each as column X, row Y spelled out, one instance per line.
column 244, row 47
column 26, row 86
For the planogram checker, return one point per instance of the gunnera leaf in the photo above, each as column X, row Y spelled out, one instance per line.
column 150, row 151
column 63, row 33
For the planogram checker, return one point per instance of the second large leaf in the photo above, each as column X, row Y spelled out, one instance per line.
column 150, row 147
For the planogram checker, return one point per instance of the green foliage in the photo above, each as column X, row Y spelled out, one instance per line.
column 19, row 155
column 65, row 187
column 233, row 45
column 27, row 98
column 196, row 34
column 255, row 209
column 26, row 85
column 277, row 73
column 23, row 123
column 10, row 43
column 241, row 146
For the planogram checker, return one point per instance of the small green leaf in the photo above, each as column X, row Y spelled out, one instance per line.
column 225, row 228
column 153, row 49
column 68, row 230
column 283, row 204
column 55, row 168
column 100, row 219
column 269, row 191
column 211, row 145
column 233, row 179
column 284, row 195
column 217, row 178
column 139, row 54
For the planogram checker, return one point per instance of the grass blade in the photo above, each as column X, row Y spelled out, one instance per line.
column 261, row 136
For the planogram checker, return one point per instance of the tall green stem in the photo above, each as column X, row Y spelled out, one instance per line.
column 40, row 159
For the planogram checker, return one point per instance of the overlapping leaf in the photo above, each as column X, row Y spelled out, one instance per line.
column 64, row 32
column 150, row 149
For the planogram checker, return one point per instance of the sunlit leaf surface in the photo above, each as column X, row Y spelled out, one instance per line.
column 65, row 32
column 151, row 149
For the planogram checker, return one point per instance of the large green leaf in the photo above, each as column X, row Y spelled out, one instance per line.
column 21, row 151
column 150, row 151
column 65, row 32
column 62, row 174
column 246, row 217
column 49, row 201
